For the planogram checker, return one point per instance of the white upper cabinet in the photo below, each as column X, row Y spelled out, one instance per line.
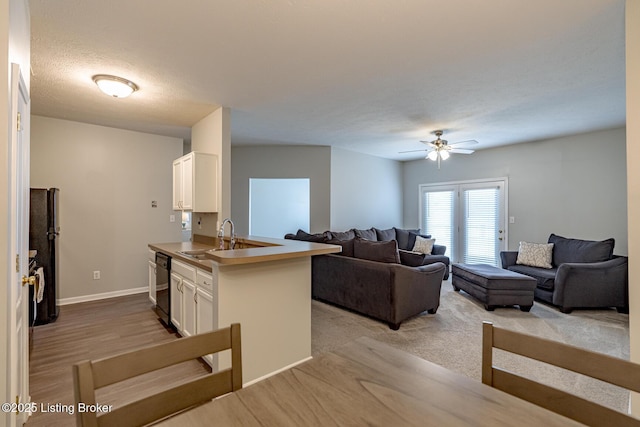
column 195, row 182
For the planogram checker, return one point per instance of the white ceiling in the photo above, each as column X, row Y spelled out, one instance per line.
column 373, row 76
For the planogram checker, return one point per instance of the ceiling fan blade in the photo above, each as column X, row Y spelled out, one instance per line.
column 461, row 151
column 470, row 142
column 413, row 151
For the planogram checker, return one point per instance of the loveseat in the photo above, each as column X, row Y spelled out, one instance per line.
column 573, row 273
column 375, row 278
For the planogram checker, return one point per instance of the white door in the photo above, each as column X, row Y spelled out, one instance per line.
column 18, row 363
column 469, row 218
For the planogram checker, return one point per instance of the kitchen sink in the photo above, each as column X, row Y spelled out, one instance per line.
column 197, row 253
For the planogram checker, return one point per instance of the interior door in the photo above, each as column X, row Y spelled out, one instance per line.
column 18, row 363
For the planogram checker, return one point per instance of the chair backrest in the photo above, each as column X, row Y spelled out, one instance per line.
column 603, row 367
column 91, row 375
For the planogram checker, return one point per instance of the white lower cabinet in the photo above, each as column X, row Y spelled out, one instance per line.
column 188, row 308
column 176, row 301
column 152, row 281
column 193, row 307
column 152, row 276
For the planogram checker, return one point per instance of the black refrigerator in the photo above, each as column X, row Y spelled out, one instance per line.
column 44, row 233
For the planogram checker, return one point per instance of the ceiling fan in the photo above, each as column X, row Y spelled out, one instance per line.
column 439, row 149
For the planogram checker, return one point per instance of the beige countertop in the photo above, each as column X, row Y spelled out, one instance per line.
column 263, row 249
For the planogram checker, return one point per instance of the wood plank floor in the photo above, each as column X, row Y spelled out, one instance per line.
column 89, row 331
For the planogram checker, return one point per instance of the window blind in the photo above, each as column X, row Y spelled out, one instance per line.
column 481, row 208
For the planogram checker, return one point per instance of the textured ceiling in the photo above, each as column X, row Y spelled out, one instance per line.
column 374, row 76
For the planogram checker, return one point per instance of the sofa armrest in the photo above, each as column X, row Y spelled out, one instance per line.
column 432, row 259
column 415, row 289
column 598, row 284
column 508, row 258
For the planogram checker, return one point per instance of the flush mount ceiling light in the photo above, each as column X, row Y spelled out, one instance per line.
column 439, row 149
column 115, row 86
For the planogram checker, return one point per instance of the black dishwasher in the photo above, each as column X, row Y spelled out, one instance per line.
column 163, row 269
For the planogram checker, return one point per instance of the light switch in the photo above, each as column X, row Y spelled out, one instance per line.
column 172, row 218
column 512, row 220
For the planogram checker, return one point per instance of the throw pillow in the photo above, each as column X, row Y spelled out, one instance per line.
column 376, row 251
column 343, row 235
column 369, row 234
column 383, row 235
column 412, row 239
column 347, row 246
column 411, row 259
column 317, row 238
column 535, row 254
column 402, row 236
column 423, row 245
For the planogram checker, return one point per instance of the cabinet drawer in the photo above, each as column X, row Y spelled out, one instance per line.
column 152, row 255
column 184, row 270
column 205, row 280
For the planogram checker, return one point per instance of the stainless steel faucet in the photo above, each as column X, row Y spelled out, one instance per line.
column 232, row 241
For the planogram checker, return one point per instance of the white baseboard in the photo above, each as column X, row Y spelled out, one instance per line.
column 106, row 295
column 276, row 372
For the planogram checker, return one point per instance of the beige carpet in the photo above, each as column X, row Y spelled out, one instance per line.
column 452, row 338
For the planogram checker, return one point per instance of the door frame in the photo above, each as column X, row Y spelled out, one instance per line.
column 457, row 235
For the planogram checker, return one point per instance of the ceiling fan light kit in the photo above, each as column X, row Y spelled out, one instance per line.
column 440, row 149
column 115, row 86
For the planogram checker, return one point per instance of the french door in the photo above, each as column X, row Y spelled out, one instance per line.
column 468, row 218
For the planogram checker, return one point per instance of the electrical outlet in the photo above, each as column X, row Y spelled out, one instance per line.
column 172, row 218
column 96, row 275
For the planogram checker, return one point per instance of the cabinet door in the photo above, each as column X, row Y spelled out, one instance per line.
column 152, row 281
column 189, row 308
column 176, row 301
column 177, row 185
column 187, row 182
column 205, row 321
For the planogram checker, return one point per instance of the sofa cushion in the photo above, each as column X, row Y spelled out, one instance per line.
column 423, row 245
column 347, row 246
column 369, row 234
column 412, row 238
column 402, row 236
column 385, row 235
column 544, row 277
column 343, row 235
column 411, row 259
column 376, row 251
column 317, row 238
column 576, row 250
column 535, row 254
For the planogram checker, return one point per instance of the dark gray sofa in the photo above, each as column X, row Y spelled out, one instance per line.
column 374, row 277
column 385, row 291
column 405, row 239
column 584, row 274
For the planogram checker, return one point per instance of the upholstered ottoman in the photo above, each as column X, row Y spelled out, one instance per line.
column 494, row 286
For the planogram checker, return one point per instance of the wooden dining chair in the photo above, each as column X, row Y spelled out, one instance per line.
column 596, row 365
column 91, row 375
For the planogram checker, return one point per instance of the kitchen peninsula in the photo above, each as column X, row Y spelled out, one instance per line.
column 264, row 284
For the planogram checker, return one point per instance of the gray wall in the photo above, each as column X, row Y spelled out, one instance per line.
column 366, row 191
column 281, row 162
column 574, row 186
column 107, row 179
column 348, row 189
